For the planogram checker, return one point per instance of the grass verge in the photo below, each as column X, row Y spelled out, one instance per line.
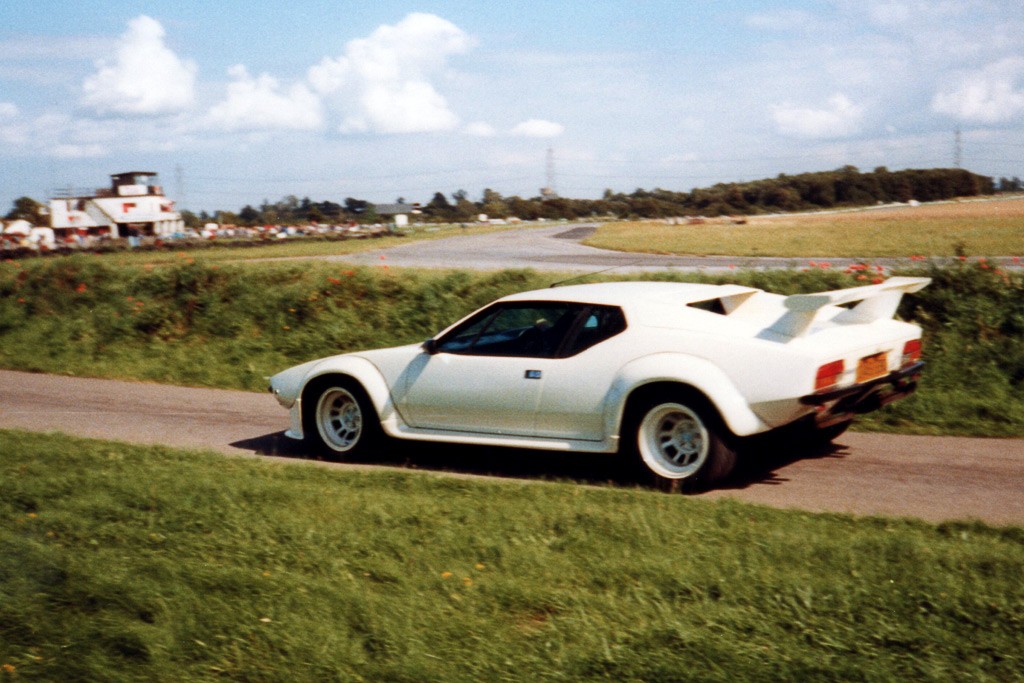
column 126, row 563
column 291, row 248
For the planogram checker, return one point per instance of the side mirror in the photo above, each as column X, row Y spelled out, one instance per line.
column 430, row 347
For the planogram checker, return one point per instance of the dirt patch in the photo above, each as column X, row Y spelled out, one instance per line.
column 576, row 233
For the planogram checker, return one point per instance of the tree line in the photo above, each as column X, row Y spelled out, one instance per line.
column 843, row 187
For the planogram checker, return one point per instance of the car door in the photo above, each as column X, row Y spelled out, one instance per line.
column 577, row 383
column 487, row 375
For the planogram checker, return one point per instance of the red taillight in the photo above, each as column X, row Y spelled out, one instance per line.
column 911, row 352
column 828, row 375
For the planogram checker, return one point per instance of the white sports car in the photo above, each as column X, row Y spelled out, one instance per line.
column 672, row 375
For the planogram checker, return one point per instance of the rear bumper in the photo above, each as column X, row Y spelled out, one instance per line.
column 836, row 405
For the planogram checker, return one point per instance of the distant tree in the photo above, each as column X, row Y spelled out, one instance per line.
column 329, row 210
column 356, row 207
column 249, row 215
column 438, row 208
column 191, row 220
column 1010, row 184
column 28, row 209
column 465, row 210
column 526, row 209
column 439, row 202
column 494, row 205
column 227, row 218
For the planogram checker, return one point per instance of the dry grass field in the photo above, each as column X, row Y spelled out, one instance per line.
column 976, row 228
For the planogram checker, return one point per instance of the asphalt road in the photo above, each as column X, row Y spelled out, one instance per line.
column 558, row 248
column 932, row 478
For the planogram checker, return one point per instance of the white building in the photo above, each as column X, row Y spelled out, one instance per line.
column 134, row 204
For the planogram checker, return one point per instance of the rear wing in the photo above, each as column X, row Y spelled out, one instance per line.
column 877, row 302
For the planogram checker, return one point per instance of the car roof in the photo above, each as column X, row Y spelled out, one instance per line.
column 632, row 294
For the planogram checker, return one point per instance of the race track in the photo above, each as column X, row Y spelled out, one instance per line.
column 558, row 248
column 932, row 478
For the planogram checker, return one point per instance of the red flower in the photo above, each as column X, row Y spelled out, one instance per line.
column 81, row 288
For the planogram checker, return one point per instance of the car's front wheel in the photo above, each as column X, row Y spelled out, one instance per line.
column 682, row 443
column 339, row 419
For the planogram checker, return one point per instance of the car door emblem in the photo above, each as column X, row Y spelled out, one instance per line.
column 533, row 374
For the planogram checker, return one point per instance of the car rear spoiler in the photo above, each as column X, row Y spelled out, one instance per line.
column 877, row 302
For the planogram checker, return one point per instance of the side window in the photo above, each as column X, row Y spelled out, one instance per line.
column 600, row 323
column 533, row 330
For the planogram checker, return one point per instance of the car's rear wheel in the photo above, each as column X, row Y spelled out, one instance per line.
column 681, row 443
column 339, row 419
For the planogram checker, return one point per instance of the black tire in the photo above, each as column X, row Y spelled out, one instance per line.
column 338, row 419
column 678, row 442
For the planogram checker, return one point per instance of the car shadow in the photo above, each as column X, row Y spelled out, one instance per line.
column 512, row 463
column 761, row 462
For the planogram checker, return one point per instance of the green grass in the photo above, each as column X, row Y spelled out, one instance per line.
column 291, row 248
column 122, row 563
column 993, row 228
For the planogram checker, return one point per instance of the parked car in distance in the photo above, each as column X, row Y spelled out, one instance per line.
column 671, row 375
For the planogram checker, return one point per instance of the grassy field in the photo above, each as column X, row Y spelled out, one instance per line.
column 122, row 563
column 980, row 228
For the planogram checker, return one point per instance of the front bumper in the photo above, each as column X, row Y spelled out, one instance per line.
column 843, row 403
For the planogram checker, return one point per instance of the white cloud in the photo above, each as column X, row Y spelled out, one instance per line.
column 538, row 128
column 908, row 13
column 384, row 83
column 480, row 129
column 840, row 118
column 990, row 95
column 259, row 103
column 145, row 77
column 72, row 151
column 781, row 20
column 409, row 107
column 8, row 111
column 23, row 132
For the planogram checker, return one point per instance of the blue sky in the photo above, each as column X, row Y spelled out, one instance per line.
column 237, row 102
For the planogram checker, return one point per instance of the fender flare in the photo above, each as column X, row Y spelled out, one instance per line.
column 678, row 368
column 362, row 371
